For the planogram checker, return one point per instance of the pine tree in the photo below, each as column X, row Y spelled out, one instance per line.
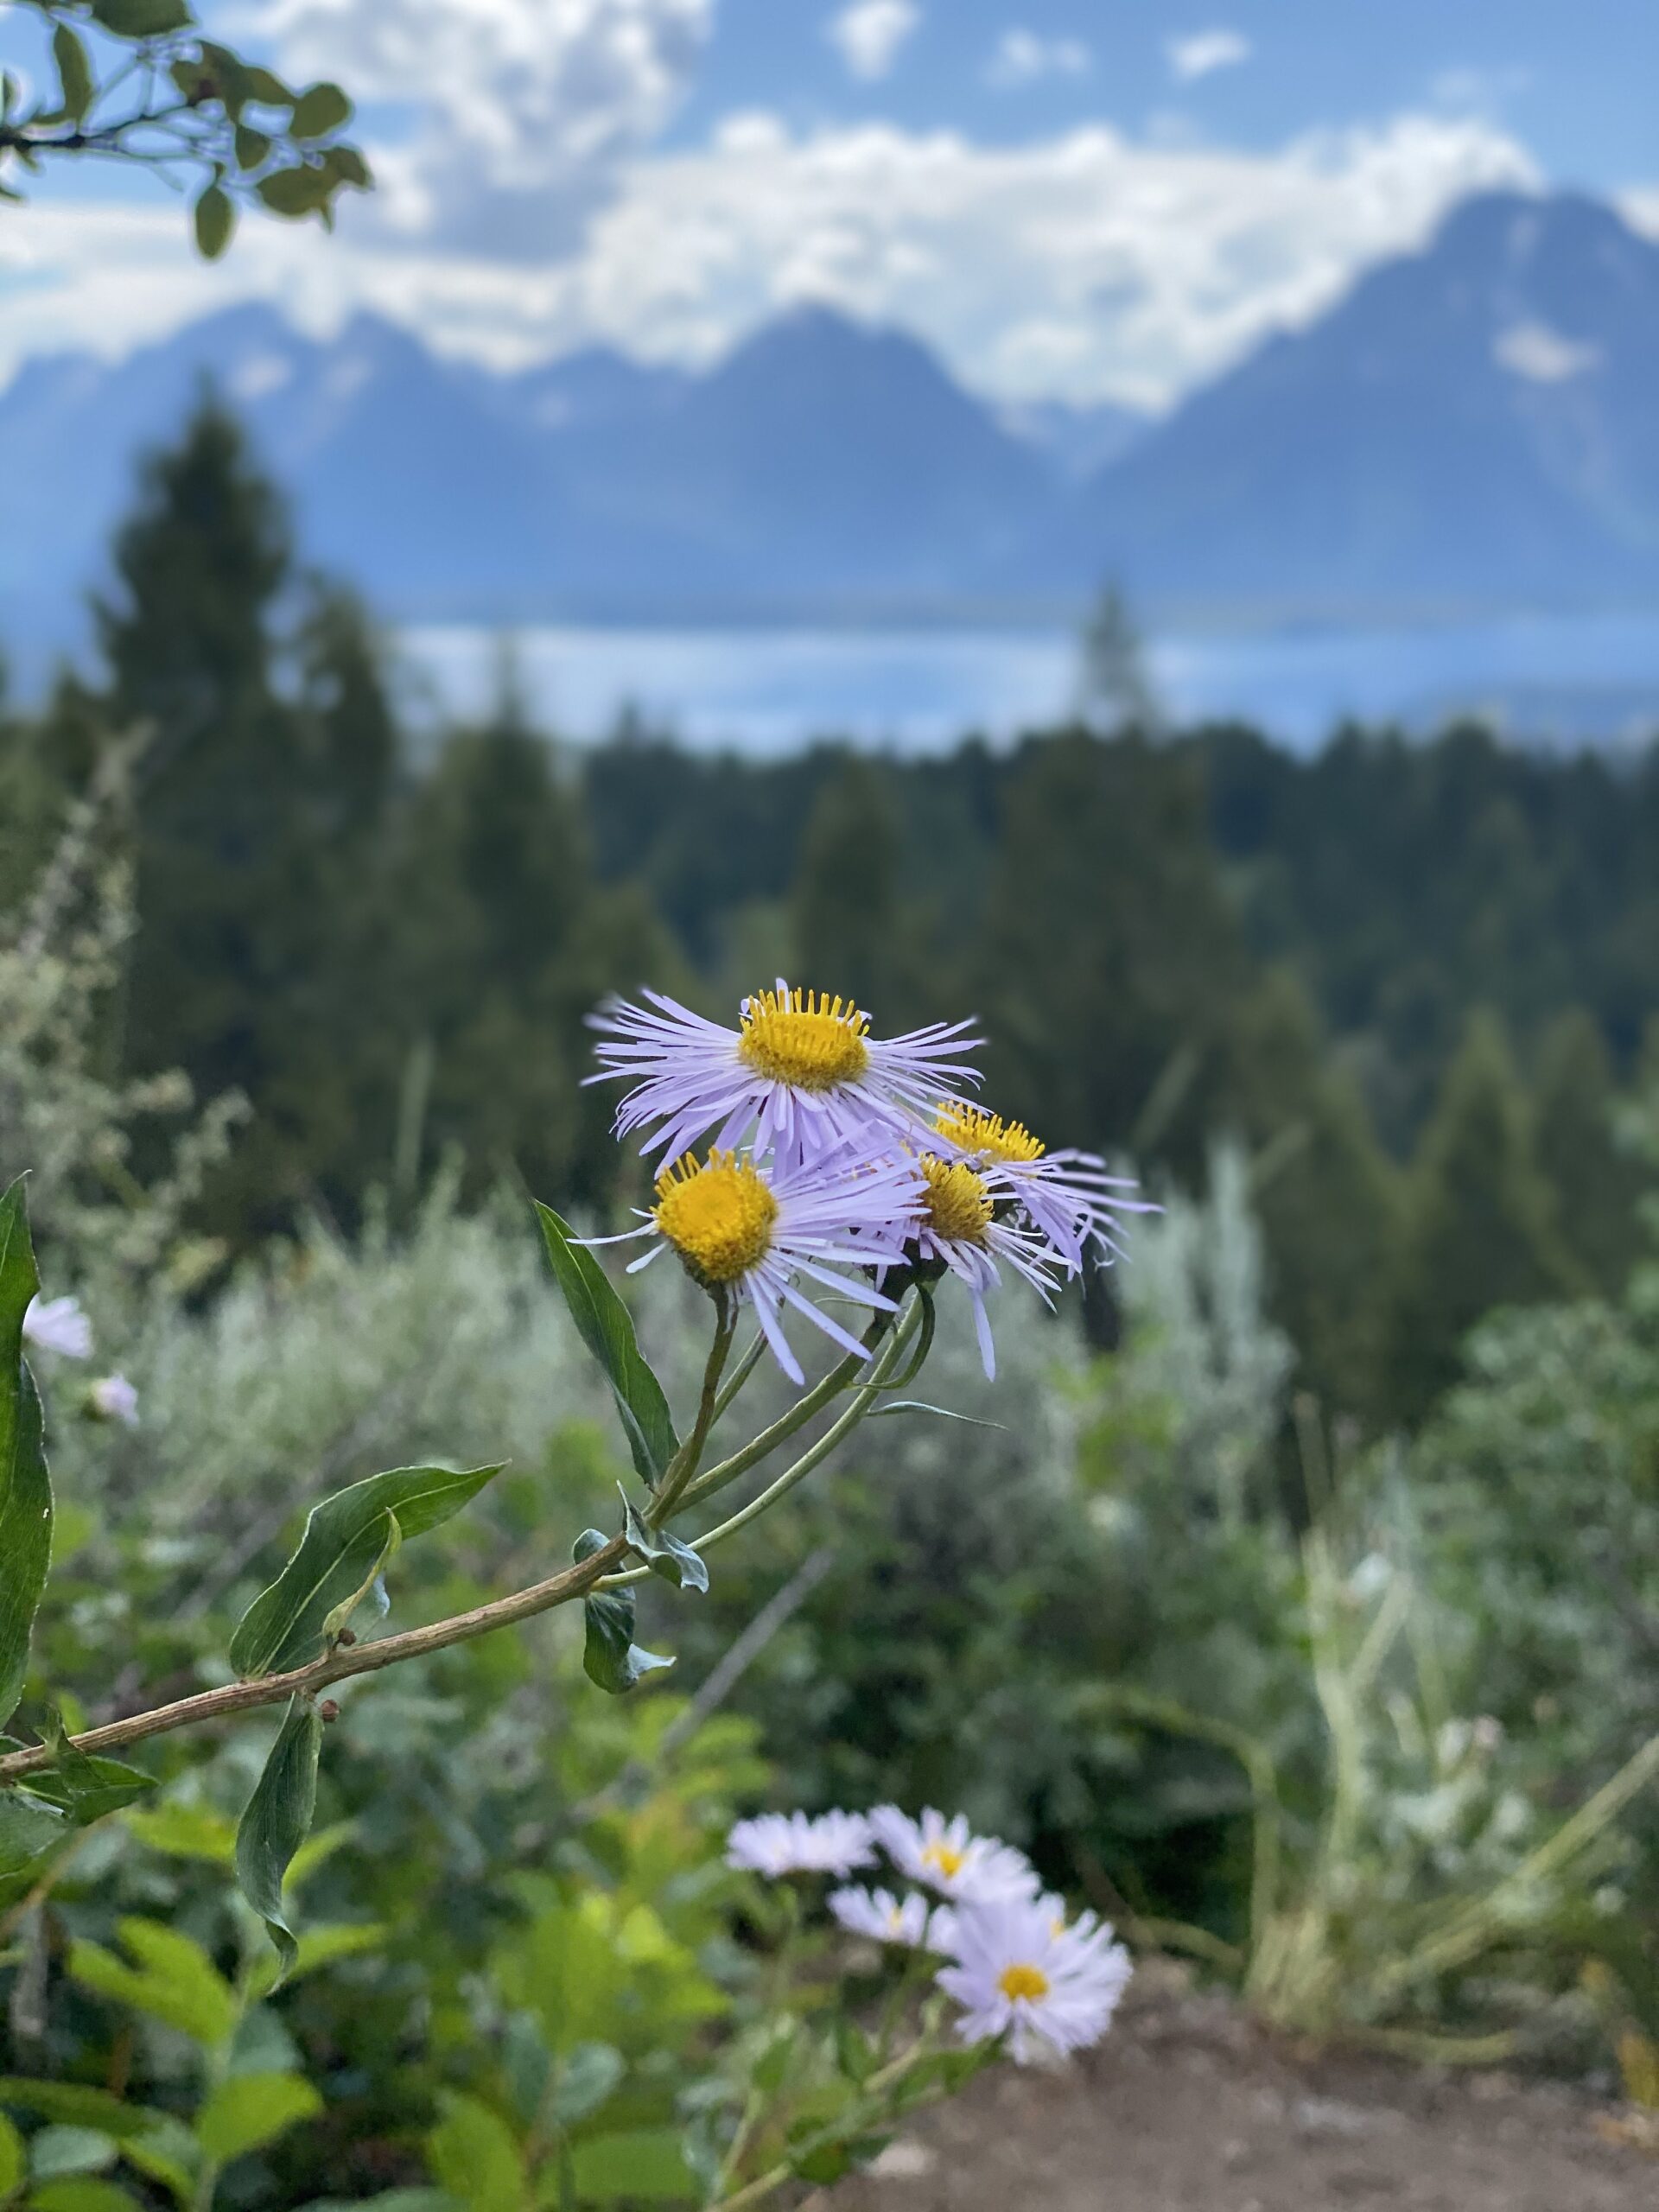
column 1480, row 1231
column 1596, row 1186
column 847, row 921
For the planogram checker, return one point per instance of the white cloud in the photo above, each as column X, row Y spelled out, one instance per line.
column 525, row 110
column 1086, row 266
column 1201, row 53
column 870, row 34
column 1023, row 57
column 1640, row 209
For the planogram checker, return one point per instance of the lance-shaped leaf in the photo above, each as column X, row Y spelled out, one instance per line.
column 277, row 1823
column 944, row 1412
column 606, row 1329
column 611, row 1657
column 663, row 1553
column 25, row 1486
column 87, row 1788
column 347, row 1542
column 28, row 1826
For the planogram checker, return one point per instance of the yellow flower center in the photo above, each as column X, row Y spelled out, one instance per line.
column 1016, row 1982
column 944, row 1860
column 804, row 1038
column 718, row 1216
column 958, row 1204
column 988, row 1134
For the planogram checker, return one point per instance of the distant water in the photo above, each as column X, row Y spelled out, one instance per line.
column 1586, row 677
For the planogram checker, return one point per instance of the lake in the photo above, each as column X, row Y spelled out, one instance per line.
column 1562, row 678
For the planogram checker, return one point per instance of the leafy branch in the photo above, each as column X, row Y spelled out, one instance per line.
column 136, row 82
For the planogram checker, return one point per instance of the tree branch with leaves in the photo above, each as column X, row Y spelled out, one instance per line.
column 138, row 83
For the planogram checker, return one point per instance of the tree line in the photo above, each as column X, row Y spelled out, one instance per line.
column 1416, row 979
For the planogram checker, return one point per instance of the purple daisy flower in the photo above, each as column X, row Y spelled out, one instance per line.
column 801, row 1076
column 1068, row 1197
column 961, row 1226
column 748, row 1231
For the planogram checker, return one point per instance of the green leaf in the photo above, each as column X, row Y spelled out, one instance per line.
column 295, row 192
column 643, row 2165
column 185, row 1832
column 347, row 1540
column 857, row 2057
column 80, row 2193
column 70, row 2104
column 920, row 1406
column 663, row 1553
column 347, row 166
column 74, row 73
column 13, row 2165
column 70, row 2151
column 25, row 1485
column 251, row 146
column 610, row 1655
column 587, row 2075
column 252, row 2109
column 274, row 1826
column 215, row 218
column 389, row 2200
column 142, row 18
column 475, row 2157
column 321, row 1947
column 172, row 1979
column 319, row 112
column 28, row 1826
column 607, row 1328
column 86, row 1789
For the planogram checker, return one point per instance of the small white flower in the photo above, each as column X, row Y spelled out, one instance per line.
column 949, row 1858
column 790, row 1843
column 889, row 1919
column 58, row 1325
column 113, row 1398
column 1018, row 1971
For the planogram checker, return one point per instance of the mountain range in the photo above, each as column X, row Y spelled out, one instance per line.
column 1474, row 424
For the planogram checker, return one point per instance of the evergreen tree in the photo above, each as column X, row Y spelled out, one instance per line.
column 256, row 819
column 1326, row 1192
column 1597, row 1187
column 1479, row 1229
column 849, row 924
column 1106, row 947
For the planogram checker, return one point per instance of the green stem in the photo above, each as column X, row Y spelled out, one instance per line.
column 682, row 1467
column 776, row 2178
column 840, row 1377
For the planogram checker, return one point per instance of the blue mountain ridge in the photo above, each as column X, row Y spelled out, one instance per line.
column 1473, row 422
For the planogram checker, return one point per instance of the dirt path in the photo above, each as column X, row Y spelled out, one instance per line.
column 1189, row 2108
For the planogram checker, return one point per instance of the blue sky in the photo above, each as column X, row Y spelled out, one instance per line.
column 1084, row 202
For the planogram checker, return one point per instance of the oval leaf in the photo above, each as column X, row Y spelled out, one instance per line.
column 607, row 1328
column 142, row 18
column 663, row 1553
column 74, row 74
column 347, row 1540
column 323, row 109
column 215, row 221
column 250, row 2110
column 25, row 1485
column 277, row 1823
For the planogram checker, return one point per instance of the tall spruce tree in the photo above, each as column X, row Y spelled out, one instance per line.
column 256, row 818
column 1480, row 1229
column 1596, row 1186
column 847, row 921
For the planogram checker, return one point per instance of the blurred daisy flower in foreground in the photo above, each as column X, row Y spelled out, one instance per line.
column 792, row 1843
column 889, row 1919
column 1018, row 1972
column 800, row 1075
column 58, row 1325
column 1069, row 1196
column 113, row 1398
column 748, row 1230
column 948, row 1857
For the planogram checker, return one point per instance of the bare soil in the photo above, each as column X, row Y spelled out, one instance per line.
column 1190, row 2107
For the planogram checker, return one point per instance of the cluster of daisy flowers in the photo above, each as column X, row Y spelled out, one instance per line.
column 800, row 1154
column 1012, row 1962
column 59, row 1326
